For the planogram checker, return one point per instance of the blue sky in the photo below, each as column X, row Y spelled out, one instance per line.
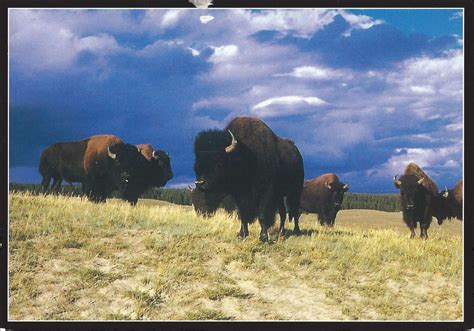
column 361, row 92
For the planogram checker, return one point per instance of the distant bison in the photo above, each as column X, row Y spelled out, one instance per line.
column 241, row 161
column 417, row 192
column 323, row 195
column 289, row 184
column 448, row 203
column 156, row 173
column 102, row 163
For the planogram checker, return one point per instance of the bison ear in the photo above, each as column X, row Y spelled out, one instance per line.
column 397, row 182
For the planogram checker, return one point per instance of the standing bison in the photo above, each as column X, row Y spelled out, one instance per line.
column 290, row 178
column 241, row 161
column 448, row 203
column 417, row 192
column 323, row 195
column 101, row 163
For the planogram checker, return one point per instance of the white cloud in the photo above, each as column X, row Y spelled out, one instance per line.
column 206, row 19
column 287, row 105
column 170, row 18
column 436, row 158
column 358, row 21
column 290, row 100
column 316, row 73
column 223, row 53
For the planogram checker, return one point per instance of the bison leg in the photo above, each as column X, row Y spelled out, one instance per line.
column 45, row 183
column 282, row 210
column 56, row 184
column 244, row 230
column 266, row 216
column 424, row 231
column 293, row 211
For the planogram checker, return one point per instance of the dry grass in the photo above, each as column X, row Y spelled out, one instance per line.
column 74, row 260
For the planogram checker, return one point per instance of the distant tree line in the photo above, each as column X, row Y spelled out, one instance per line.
column 182, row 196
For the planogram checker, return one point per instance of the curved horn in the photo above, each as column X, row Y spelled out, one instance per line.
column 154, row 155
column 328, row 185
column 110, row 154
column 396, row 181
column 421, row 180
column 233, row 144
column 345, row 187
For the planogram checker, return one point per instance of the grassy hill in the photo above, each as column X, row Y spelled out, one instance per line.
column 71, row 259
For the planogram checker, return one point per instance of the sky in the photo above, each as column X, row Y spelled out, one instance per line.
column 361, row 92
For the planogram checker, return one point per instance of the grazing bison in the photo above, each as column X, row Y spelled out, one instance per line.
column 101, row 163
column 417, row 192
column 241, row 161
column 323, row 195
column 155, row 173
column 448, row 203
column 290, row 178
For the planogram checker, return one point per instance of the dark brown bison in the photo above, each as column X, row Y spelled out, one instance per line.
column 289, row 184
column 290, row 176
column 323, row 195
column 156, row 173
column 448, row 203
column 241, row 161
column 417, row 192
column 101, row 163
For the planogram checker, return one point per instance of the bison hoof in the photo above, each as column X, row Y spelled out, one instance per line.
column 297, row 231
column 264, row 238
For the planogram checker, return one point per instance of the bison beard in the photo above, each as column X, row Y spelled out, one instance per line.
column 241, row 161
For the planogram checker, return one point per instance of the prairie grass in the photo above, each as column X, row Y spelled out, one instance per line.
column 70, row 259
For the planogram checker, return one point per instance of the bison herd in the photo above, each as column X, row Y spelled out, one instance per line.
column 247, row 165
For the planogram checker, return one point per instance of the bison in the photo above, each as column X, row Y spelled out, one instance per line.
column 323, row 195
column 417, row 192
column 101, row 163
column 156, row 173
column 241, row 161
column 448, row 203
column 289, row 185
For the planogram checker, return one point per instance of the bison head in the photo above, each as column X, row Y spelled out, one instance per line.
column 128, row 165
column 216, row 159
column 161, row 168
column 410, row 187
column 337, row 190
column 441, row 206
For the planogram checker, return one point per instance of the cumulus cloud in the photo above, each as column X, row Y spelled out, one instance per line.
column 223, row 53
column 287, row 105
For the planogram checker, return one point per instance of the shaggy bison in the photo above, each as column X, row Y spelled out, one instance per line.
column 417, row 192
column 323, row 195
column 241, row 161
column 102, row 163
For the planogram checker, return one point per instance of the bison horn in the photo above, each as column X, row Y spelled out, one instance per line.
column 233, row 144
column 421, row 180
column 327, row 185
column 345, row 187
column 110, row 154
column 396, row 181
column 445, row 193
column 154, row 155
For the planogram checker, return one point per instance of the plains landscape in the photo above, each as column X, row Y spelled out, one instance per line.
column 70, row 259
